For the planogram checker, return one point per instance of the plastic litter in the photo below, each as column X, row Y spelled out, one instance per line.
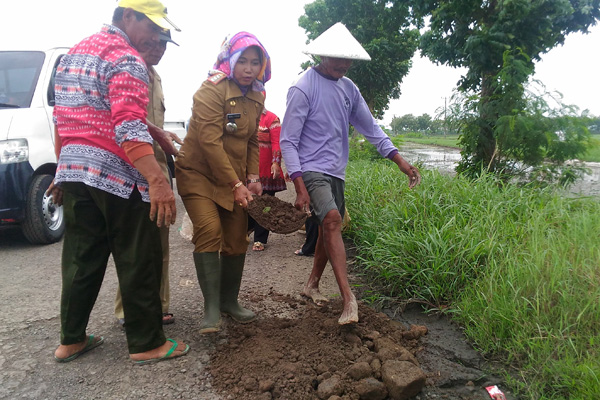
column 495, row 393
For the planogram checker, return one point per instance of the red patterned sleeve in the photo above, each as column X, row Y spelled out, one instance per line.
column 128, row 94
column 274, row 133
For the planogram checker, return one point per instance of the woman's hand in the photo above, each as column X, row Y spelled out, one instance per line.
column 275, row 170
column 242, row 196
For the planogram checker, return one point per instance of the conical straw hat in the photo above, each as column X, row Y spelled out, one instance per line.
column 338, row 42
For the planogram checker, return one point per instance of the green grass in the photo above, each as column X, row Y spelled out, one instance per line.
column 517, row 267
column 447, row 141
column 593, row 153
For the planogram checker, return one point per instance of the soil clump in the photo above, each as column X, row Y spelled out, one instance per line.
column 276, row 215
column 306, row 355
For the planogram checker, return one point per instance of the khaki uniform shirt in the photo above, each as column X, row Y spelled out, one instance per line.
column 156, row 115
column 215, row 157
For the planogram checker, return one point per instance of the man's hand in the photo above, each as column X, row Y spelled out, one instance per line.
column 302, row 198
column 165, row 139
column 414, row 176
column 56, row 193
column 255, row 188
column 303, row 202
column 162, row 204
column 162, row 199
column 174, row 138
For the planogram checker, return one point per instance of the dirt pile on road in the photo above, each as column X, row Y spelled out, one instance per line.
column 303, row 353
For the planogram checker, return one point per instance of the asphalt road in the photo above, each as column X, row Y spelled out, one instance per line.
column 30, row 305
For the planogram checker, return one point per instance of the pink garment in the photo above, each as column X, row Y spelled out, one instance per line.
column 101, row 89
column 268, row 143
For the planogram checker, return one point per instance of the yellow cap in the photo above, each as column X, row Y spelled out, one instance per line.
column 153, row 9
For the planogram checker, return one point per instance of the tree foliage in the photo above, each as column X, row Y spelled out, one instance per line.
column 475, row 34
column 423, row 124
column 384, row 29
column 499, row 42
column 531, row 139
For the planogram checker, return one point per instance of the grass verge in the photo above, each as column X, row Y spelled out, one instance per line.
column 446, row 141
column 517, row 267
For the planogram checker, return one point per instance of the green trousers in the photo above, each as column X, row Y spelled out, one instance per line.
column 99, row 224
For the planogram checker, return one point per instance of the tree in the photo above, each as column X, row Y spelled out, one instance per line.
column 403, row 124
column 424, row 124
column 384, row 29
column 499, row 41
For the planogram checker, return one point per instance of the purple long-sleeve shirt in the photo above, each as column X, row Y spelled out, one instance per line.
column 314, row 134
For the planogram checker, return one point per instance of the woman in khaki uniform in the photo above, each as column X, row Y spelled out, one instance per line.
column 219, row 173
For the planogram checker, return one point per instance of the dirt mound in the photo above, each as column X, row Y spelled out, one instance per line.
column 304, row 354
column 276, row 215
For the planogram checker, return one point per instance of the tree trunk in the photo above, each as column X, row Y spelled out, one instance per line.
column 486, row 147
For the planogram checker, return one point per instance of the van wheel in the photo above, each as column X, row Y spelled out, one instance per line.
column 44, row 222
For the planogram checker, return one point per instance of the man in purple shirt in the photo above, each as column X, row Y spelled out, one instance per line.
column 321, row 105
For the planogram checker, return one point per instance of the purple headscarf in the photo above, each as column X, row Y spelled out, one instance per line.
column 230, row 52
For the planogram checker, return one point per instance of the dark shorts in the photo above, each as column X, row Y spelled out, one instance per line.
column 326, row 193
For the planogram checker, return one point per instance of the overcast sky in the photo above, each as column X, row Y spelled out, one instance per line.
column 570, row 69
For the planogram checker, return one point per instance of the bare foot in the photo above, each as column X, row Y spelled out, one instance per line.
column 350, row 313
column 314, row 295
column 68, row 352
column 162, row 352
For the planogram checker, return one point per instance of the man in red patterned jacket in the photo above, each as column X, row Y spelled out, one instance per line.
column 112, row 187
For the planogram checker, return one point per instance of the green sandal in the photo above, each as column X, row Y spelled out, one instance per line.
column 92, row 343
column 167, row 356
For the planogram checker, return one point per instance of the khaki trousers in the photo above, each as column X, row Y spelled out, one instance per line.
column 215, row 228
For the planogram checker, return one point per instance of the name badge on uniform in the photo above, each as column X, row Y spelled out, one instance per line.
column 231, row 126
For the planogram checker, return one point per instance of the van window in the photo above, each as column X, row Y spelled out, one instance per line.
column 19, row 72
column 51, row 97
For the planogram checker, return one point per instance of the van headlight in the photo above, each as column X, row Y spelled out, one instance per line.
column 14, row 151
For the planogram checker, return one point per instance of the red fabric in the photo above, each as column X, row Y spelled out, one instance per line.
column 268, row 142
column 114, row 85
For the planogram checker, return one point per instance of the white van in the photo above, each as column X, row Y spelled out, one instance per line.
column 27, row 159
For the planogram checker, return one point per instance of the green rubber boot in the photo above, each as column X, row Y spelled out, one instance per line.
column 208, row 269
column 232, row 268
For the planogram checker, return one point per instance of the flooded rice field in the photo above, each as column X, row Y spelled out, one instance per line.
column 445, row 160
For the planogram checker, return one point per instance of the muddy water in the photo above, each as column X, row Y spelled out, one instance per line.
column 445, row 159
column 590, row 184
